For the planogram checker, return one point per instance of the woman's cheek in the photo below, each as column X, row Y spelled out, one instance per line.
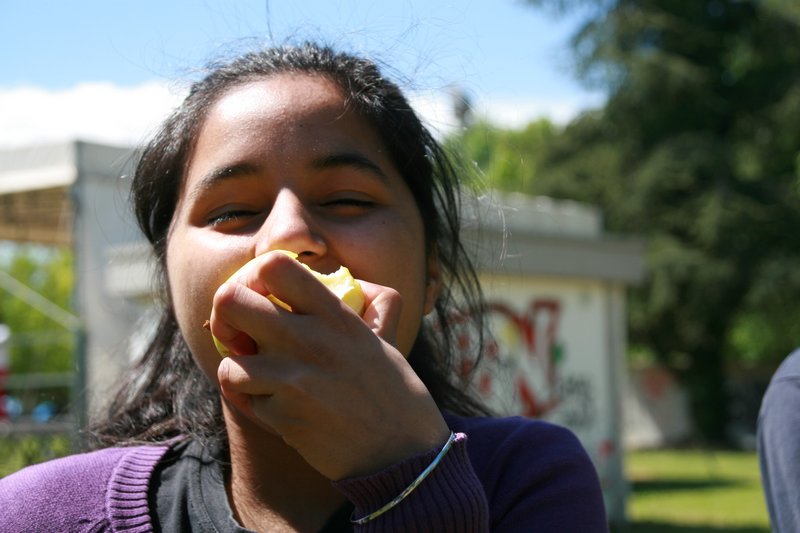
column 192, row 291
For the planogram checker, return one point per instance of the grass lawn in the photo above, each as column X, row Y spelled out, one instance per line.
column 693, row 491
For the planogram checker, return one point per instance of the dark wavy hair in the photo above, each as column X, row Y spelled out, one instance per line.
column 167, row 395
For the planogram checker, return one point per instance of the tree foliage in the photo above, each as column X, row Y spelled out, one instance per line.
column 503, row 159
column 698, row 149
column 38, row 344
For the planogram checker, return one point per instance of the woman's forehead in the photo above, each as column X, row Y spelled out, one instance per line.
column 285, row 91
column 273, row 111
column 281, row 123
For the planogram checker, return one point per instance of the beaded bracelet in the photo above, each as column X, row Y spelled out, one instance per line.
column 408, row 490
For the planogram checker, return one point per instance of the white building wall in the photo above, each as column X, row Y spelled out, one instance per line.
column 559, row 356
column 102, row 220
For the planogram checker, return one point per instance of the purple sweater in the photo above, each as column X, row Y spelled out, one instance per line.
column 502, row 475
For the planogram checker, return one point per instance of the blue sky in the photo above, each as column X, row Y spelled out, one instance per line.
column 87, row 67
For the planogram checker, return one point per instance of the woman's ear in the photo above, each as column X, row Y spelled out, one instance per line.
column 433, row 284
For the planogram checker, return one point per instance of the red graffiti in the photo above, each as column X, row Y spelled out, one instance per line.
column 521, row 358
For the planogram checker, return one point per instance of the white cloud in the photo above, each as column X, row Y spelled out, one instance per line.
column 100, row 112
column 436, row 108
column 518, row 112
column 106, row 113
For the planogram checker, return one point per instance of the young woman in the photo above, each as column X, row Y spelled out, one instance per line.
column 322, row 419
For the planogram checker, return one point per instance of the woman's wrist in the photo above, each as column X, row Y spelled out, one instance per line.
column 450, row 492
column 410, row 488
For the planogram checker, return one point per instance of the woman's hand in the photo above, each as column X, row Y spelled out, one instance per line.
column 330, row 383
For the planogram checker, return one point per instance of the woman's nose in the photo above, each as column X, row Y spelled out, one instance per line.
column 290, row 226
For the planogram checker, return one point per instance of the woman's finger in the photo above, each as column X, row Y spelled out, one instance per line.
column 237, row 314
column 286, row 282
column 382, row 312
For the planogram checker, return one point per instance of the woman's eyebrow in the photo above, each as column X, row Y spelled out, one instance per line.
column 221, row 174
column 349, row 159
column 240, row 170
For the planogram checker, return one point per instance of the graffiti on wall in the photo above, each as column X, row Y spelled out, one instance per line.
column 522, row 372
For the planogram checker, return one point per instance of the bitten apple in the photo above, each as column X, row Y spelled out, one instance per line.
column 340, row 282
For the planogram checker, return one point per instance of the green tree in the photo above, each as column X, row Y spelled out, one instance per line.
column 503, row 159
column 38, row 343
column 698, row 149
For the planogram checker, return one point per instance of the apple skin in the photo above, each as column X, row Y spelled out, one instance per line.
column 340, row 282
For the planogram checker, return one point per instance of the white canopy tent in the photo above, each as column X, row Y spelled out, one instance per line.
column 72, row 194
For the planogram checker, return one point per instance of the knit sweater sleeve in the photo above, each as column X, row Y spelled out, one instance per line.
column 450, row 499
column 506, row 475
column 98, row 491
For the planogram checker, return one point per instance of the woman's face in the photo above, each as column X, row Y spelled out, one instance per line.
column 280, row 163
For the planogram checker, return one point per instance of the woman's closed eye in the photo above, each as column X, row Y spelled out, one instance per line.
column 230, row 216
column 349, row 205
